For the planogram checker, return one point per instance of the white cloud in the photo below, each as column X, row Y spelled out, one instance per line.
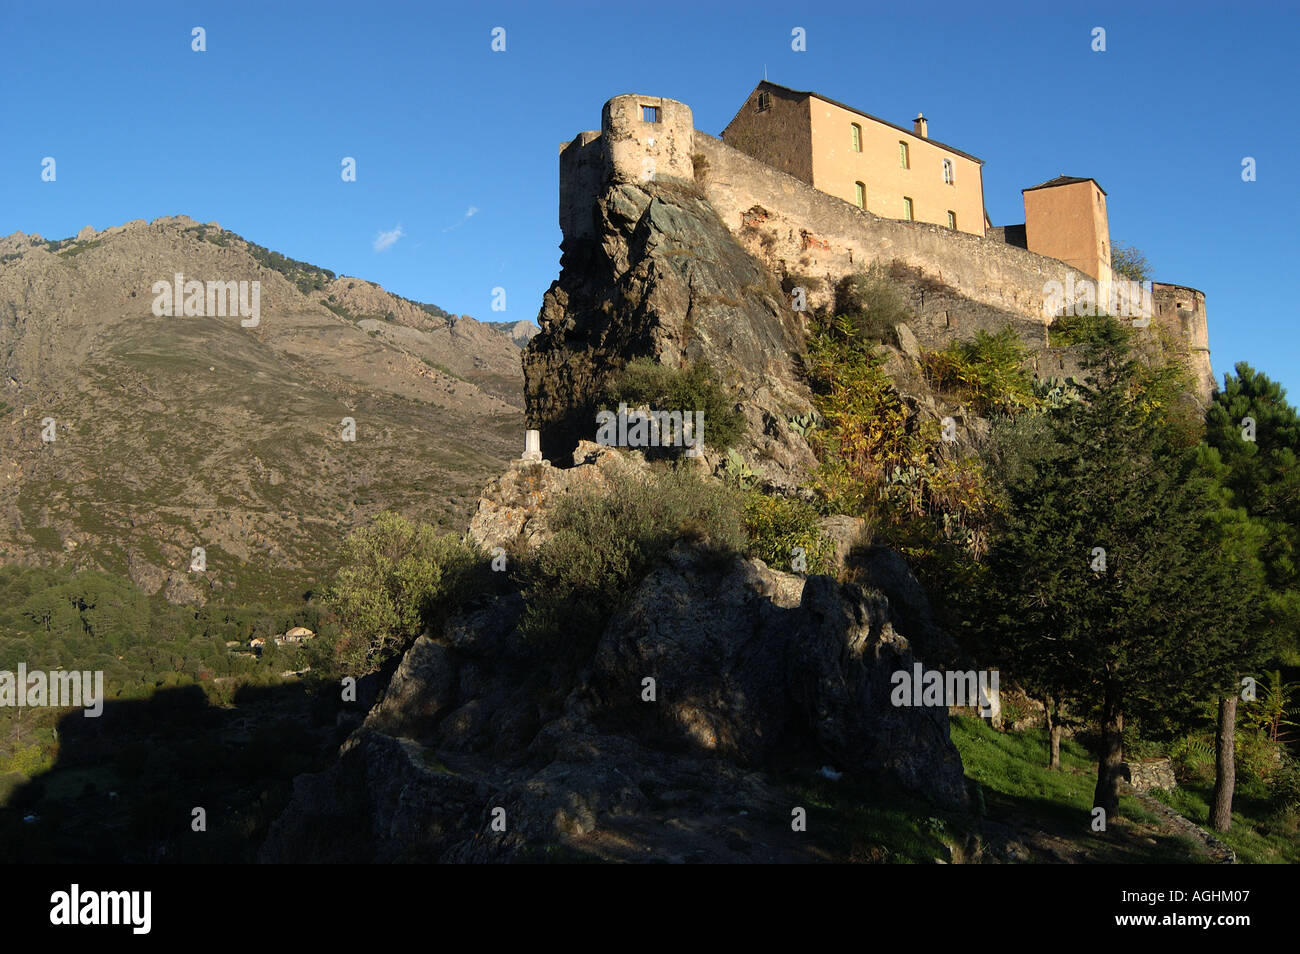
column 386, row 240
column 469, row 214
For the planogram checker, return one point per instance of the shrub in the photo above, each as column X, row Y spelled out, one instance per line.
column 1257, row 757
column 873, row 303
column 692, row 388
column 30, row 761
column 1284, row 786
column 604, row 543
column 866, row 432
column 878, row 463
column 987, row 372
column 777, row 525
column 1193, row 757
column 397, row 578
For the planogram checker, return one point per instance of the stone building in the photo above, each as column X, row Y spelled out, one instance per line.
column 1065, row 218
column 810, row 235
column 885, row 169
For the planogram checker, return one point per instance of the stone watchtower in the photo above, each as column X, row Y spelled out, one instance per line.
column 647, row 137
column 641, row 139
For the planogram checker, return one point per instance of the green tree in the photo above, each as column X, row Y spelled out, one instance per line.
column 1253, row 434
column 1114, row 575
column 396, row 578
column 1129, row 262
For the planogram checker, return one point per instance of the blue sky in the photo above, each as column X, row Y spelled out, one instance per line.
column 251, row 133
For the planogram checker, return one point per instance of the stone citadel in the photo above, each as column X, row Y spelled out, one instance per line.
column 817, row 191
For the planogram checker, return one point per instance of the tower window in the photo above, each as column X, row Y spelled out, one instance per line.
column 862, row 194
column 649, row 114
column 948, row 171
column 764, row 102
column 907, row 208
column 904, row 159
column 952, row 219
column 857, row 137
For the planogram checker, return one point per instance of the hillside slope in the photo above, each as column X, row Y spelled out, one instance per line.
column 180, row 432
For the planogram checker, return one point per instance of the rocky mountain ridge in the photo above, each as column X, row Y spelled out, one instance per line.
column 171, row 433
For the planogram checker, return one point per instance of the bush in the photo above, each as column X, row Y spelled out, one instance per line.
column 692, row 388
column 1257, row 757
column 776, row 525
column 1284, row 787
column 988, row 373
column 866, row 433
column 603, row 544
column 873, row 303
column 397, row 578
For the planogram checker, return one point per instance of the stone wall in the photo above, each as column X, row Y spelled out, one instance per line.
column 1153, row 773
column 809, row 238
column 797, row 230
column 582, row 176
column 638, row 151
column 1008, row 234
column 780, row 136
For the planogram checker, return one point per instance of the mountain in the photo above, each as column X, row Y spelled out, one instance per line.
column 172, row 433
column 520, row 332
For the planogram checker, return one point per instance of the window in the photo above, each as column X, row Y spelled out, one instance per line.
column 862, row 194
column 857, row 137
column 907, row 208
column 649, row 114
column 952, row 219
column 947, row 171
column 903, row 159
column 764, row 102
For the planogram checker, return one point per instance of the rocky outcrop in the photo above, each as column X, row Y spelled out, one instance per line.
column 512, row 508
column 755, row 674
column 666, row 279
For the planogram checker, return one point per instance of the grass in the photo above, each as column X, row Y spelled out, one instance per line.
column 1017, row 786
column 879, row 830
column 1258, row 835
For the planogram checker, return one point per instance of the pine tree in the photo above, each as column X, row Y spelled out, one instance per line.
column 1110, row 578
column 1254, row 436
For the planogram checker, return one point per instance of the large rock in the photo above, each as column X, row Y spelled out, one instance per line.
column 755, row 670
column 512, row 510
column 666, row 279
column 752, row 663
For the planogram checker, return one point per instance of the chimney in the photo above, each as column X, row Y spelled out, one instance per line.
column 919, row 126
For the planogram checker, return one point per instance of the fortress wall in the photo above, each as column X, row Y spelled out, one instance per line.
column 801, row 231
column 1182, row 311
column 798, row 231
column 582, row 163
column 637, row 151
